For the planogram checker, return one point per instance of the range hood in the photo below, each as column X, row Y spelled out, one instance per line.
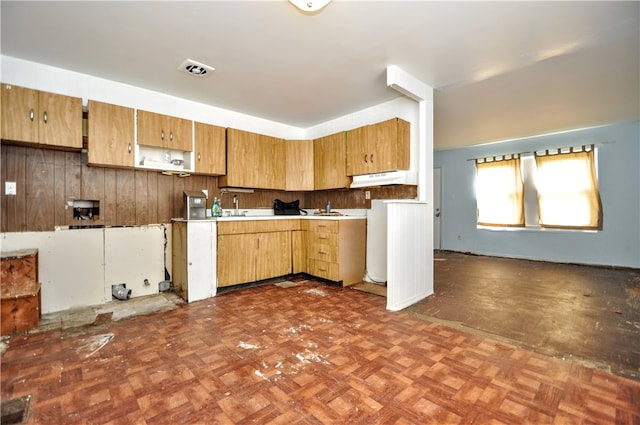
column 386, row 178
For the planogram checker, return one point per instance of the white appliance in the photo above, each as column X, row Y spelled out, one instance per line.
column 377, row 242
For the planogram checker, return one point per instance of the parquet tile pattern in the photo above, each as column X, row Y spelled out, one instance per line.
column 303, row 353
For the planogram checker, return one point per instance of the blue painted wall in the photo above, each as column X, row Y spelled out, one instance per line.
column 617, row 244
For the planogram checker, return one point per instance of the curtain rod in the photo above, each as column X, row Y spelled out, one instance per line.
column 566, row 149
column 543, row 149
column 501, row 155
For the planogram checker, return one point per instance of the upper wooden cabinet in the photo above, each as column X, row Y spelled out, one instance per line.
column 380, row 147
column 254, row 161
column 299, row 165
column 164, row 131
column 210, row 149
column 35, row 116
column 111, row 135
column 329, row 162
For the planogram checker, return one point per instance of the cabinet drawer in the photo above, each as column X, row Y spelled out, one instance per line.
column 257, row 226
column 324, row 269
column 330, row 239
column 324, row 226
column 323, row 252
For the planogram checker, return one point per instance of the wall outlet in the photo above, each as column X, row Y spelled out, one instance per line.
column 367, row 194
column 10, row 188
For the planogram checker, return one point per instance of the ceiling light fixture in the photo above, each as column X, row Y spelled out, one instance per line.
column 310, row 6
column 196, row 69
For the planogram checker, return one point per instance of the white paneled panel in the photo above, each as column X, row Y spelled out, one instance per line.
column 201, row 255
column 70, row 264
column 133, row 254
column 409, row 254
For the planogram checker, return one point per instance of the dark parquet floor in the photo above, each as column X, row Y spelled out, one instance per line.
column 577, row 312
column 304, row 353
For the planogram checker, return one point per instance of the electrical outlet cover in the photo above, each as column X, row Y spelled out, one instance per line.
column 9, row 188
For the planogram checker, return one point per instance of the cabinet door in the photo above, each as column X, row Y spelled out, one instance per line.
column 111, row 135
column 358, row 154
column 236, row 259
column 61, row 120
column 20, row 114
column 299, row 165
column 269, row 164
column 254, row 161
column 274, row 255
column 389, row 146
column 180, row 135
column 299, row 251
column 211, row 150
column 329, row 162
column 150, row 130
column 239, row 158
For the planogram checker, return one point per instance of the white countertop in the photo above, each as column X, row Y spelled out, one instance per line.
column 267, row 214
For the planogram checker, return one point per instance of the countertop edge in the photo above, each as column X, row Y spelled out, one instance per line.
column 273, row 217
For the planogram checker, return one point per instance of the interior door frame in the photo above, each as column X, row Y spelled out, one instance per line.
column 437, row 208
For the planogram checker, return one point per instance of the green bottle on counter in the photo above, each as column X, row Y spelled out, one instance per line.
column 216, row 209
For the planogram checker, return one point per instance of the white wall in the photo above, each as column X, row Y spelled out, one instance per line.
column 77, row 267
column 61, row 81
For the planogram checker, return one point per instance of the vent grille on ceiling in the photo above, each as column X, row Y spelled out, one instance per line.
column 196, row 69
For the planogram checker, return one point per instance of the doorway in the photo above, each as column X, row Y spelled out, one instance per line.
column 437, row 189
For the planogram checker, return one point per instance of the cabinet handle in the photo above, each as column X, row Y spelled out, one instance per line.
column 162, row 134
column 322, row 252
column 170, row 135
column 365, row 157
column 129, row 148
column 199, row 157
column 321, row 269
column 322, row 237
column 371, row 158
column 45, row 117
column 31, row 115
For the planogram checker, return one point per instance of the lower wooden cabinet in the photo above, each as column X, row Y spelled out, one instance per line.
column 250, row 251
column 236, row 259
column 299, row 251
column 337, row 250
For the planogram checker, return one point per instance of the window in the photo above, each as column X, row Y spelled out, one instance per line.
column 568, row 194
column 500, row 192
column 549, row 189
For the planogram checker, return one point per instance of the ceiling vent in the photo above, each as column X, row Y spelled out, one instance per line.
column 196, row 68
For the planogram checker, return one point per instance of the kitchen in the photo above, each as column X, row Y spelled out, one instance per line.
column 128, row 212
column 103, row 213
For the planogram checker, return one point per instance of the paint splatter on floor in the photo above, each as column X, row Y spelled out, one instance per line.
column 315, row 291
column 91, row 345
column 248, row 346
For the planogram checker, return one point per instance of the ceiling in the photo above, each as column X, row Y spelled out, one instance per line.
column 500, row 70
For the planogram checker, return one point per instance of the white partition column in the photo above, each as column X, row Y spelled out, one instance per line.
column 410, row 223
column 410, row 267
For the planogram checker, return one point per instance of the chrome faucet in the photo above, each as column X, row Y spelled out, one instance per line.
column 235, row 202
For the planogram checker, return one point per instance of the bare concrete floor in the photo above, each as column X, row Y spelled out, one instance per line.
column 581, row 313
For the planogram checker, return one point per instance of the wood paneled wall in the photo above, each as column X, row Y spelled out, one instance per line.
column 48, row 179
